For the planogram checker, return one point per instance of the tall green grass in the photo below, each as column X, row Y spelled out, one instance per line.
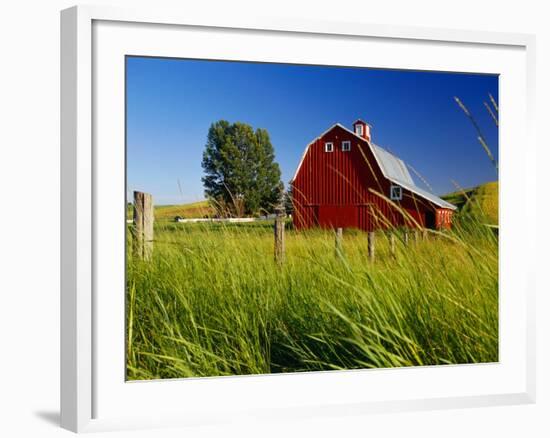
column 213, row 302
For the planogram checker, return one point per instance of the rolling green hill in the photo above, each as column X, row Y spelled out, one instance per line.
column 169, row 212
column 193, row 210
column 481, row 199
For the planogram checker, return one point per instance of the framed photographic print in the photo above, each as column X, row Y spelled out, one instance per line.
column 273, row 218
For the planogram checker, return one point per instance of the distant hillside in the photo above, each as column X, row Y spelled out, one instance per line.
column 483, row 198
column 188, row 211
column 169, row 212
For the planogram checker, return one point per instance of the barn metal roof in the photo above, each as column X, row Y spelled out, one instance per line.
column 425, row 194
column 393, row 168
column 396, row 171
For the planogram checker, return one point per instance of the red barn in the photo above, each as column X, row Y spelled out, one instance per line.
column 345, row 180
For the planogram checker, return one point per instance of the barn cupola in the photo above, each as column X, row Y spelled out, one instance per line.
column 362, row 129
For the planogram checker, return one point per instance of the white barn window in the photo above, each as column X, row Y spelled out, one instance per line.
column 359, row 130
column 329, row 147
column 346, row 146
column 396, row 193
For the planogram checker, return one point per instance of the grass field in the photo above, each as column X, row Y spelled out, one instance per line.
column 213, row 302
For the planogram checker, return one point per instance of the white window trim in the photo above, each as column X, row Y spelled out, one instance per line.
column 329, row 144
column 359, row 129
column 396, row 198
column 346, row 146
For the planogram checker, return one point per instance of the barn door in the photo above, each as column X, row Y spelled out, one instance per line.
column 430, row 219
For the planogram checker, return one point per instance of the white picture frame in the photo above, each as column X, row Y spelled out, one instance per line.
column 92, row 392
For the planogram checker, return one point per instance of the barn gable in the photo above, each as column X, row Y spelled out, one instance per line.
column 392, row 168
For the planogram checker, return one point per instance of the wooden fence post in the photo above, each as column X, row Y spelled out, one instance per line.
column 144, row 219
column 338, row 241
column 279, row 229
column 424, row 234
column 371, row 245
column 415, row 236
column 392, row 243
column 406, row 237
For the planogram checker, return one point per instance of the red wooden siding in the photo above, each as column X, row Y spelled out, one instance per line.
column 334, row 216
column 341, row 189
column 444, row 218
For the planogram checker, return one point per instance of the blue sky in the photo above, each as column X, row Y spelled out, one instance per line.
column 172, row 102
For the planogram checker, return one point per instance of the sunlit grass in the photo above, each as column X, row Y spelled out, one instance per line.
column 213, row 302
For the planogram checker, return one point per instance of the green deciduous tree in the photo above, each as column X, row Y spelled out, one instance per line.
column 241, row 175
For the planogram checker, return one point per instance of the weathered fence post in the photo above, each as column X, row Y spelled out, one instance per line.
column 371, row 245
column 406, row 237
column 143, row 225
column 392, row 243
column 338, row 241
column 415, row 234
column 424, row 234
column 279, row 231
